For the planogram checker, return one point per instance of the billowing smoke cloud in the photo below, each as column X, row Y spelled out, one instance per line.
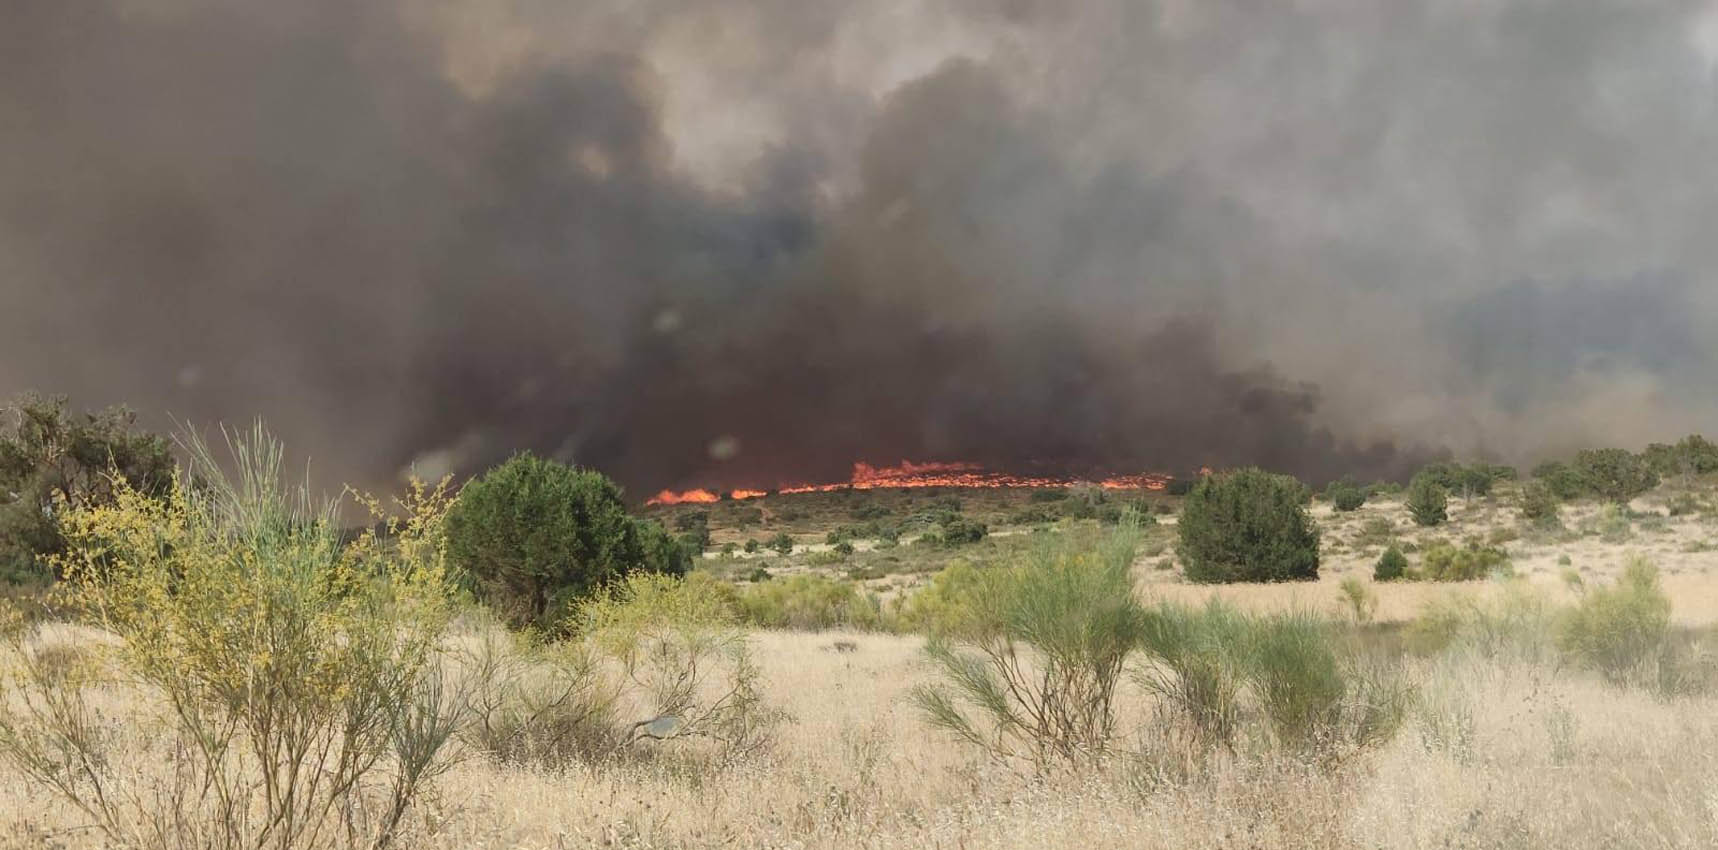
column 704, row 243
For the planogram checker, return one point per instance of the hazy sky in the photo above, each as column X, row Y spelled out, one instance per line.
column 1109, row 236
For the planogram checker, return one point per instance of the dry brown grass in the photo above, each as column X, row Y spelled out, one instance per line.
column 1537, row 758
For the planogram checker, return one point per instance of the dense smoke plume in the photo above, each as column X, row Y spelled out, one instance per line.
column 738, row 244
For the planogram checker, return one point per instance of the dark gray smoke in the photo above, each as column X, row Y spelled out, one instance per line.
column 736, row 244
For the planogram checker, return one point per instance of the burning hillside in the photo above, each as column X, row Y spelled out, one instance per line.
column 907, row 474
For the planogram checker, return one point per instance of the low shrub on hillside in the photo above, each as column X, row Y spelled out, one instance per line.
column 1428, row 500
column 1447, row 562
column 1539, row 503
column 1392, row 565
column 1345, row 497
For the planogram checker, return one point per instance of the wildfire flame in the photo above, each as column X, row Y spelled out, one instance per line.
column 909, row 475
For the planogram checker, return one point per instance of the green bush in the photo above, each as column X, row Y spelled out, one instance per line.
column 1618, row 630
column 782, row 543
column 1248, row 525
column 751, row 546
column 1428, row 500
column 1446, row 562
column 960, row 531
column 1538, row 503
column 1392, row 565
column 52, row 460
column 534, row 537
column 1564, row 482
column 1072, row 610
column 944, row 605
column 809, row 603
column 1614, row 474
column 1345, row 497
column 1205, row 661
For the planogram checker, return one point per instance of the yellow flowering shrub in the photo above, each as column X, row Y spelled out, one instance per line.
column 295, row 671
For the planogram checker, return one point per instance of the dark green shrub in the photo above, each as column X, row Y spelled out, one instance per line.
column 1565, row 483
column 1248, row 525
column 49, row 455
column 1052, row 495
column 1428, row 501
column 782, row 543
column 1391, row 565
column 1474, row 480
column 960, row 531
column 869, row 511
column 751, row 545
column 1614, row 474
column 843, row 548
column 1345, row 497
column 534, row 537
column 1538, row 503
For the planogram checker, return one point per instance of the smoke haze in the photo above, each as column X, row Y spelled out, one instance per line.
column 698, row 243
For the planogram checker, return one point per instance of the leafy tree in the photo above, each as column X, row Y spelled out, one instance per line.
column 1391, row 565
column 535, row 537
column 1428, row 501
column 53, row 461
column 1248, row 525
column 1614, row 474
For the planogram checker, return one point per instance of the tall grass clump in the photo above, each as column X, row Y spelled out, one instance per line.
column 1620, row 629
column 295, row 695
column 1285, row 678
column 1032, row 672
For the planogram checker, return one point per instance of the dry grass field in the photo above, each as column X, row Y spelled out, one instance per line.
column 1499, row 748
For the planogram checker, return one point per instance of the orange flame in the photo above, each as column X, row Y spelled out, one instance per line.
column 931, row 474
column 669, row 497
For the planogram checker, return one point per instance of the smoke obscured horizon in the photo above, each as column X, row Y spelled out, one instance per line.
column 693, row 243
